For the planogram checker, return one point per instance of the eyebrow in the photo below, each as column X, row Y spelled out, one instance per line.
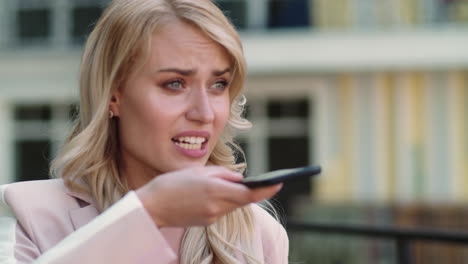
column 219, row 73
column 191, row 72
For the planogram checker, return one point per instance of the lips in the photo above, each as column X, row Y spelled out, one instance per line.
column 192, row 143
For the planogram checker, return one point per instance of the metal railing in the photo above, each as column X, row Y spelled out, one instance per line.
column 403, row 236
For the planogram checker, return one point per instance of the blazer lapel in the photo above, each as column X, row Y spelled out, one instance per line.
column 85, row 213
column 82, row 216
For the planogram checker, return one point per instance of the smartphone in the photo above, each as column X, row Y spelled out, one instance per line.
column 284, row 175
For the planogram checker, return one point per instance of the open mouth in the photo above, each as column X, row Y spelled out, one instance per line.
column 190, row 143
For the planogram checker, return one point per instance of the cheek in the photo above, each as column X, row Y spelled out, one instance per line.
column 223, row 112
column 135, row 111
column 141, row 115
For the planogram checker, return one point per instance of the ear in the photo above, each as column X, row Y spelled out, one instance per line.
column 114, row 103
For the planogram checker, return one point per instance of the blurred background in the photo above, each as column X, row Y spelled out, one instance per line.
column 374, row 91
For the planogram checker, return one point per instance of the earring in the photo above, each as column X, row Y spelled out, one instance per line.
column 111, row 114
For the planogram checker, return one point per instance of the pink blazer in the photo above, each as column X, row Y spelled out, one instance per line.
column 44, row 222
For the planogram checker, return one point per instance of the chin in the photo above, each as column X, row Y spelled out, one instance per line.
column 189, row 164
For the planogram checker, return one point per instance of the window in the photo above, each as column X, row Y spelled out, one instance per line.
column 457, row 10
column 289, row 13
column 288, row 144
column 267, row 13
column 32, row 159
column 289, row 152
column 235, row 10
column 36, row 137
column 280, row 139
column 32, row 146
column 55, row 22
column 33, row 24
column 84, row 19
column 33, row 112
column 285, row 109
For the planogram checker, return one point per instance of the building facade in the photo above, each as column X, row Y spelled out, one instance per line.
column 376, row 92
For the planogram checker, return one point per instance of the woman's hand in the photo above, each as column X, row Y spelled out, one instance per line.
column 198, row 196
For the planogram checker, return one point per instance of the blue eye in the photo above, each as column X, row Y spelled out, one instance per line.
column 220, row 85
column 174, row 85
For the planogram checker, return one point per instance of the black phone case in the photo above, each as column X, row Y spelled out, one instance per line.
column 284, row 175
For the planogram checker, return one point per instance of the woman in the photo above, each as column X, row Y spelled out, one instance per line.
column 148, row 173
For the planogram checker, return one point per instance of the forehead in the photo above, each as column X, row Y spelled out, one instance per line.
column 180, row 42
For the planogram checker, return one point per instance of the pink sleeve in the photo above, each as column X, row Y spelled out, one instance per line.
column 276, row 245
column 25, row 251
column 283, row 247
column 124, row 233
column 274, row 239
column 15, row 245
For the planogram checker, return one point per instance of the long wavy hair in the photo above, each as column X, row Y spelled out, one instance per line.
column 87, row 161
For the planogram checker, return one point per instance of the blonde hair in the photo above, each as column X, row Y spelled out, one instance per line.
column 87, row 161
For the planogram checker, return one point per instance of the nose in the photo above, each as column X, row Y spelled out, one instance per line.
column 200, row 107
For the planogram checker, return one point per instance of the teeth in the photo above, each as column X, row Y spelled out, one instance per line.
column 192, row 143
column 189, row 146
column 192, row 140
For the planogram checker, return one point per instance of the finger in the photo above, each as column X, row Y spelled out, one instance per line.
column 230, row 176
column 233, row 192
column 242, row 195
column 226, row 174
column 262, row 193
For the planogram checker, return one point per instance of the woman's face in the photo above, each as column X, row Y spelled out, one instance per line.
column 172, row 110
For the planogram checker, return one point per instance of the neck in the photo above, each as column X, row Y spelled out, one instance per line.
column 135, row 174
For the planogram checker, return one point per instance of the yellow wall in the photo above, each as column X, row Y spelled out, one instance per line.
column 403, row 148
column 458, row 87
